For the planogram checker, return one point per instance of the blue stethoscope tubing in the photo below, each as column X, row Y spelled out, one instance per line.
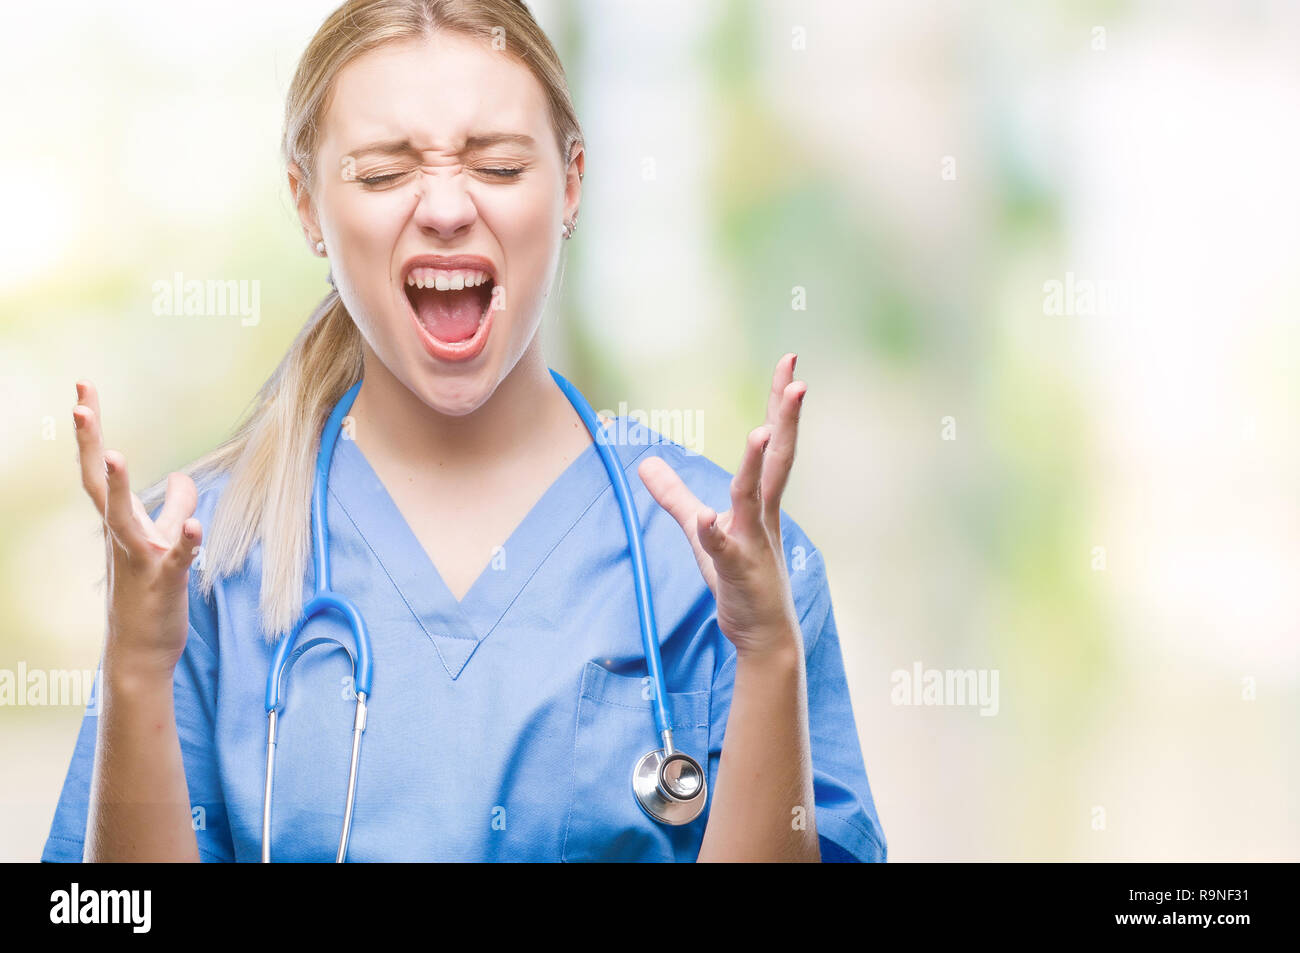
column 324, row 600
column 632, row 525
column 669, row 785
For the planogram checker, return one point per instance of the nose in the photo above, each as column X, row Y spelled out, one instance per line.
column 443, row 205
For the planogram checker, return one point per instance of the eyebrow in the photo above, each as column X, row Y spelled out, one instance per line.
column 484, row 141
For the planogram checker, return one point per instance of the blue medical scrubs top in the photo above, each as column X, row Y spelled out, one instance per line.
column 501, row 727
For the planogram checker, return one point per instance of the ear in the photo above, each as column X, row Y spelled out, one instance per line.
column 573, row 182
column 306, row 207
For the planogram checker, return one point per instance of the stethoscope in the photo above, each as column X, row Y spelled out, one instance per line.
column 670, row 785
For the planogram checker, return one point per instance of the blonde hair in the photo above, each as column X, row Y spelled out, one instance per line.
column 271, row 466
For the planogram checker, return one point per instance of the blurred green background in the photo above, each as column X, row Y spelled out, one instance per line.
column 1092, row 495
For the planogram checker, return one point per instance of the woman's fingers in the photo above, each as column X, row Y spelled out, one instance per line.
column 187, row 546
column 90, row 445
column 710, row 532
column 104, row 477
column 672, row 494
column 182, row 497
column 746, row 485
column 781, row 379
column 120, row 515
column 88, row 395
column 779, row 458
column 783, row 404
column 682, row 505
column 758, row 484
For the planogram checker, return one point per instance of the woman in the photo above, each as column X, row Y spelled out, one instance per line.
column 434, row 157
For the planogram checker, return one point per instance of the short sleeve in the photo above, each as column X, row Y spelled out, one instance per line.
column 848, row 827
column 195, row 690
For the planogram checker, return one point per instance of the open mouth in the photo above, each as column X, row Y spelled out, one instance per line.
column 450, row 304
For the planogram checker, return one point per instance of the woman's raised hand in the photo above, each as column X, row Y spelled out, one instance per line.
column 740, row 552
column 148, row 560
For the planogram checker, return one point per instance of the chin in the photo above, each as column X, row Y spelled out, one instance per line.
column 455, row 395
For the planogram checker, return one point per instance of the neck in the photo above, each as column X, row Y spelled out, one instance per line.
column 525, row 414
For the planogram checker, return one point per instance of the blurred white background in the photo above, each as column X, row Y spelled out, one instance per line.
column 1094, row 497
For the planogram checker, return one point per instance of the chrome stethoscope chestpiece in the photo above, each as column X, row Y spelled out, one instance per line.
column 672, row 789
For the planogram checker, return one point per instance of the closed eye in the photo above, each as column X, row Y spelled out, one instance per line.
column 501, row 173
column 381, row 179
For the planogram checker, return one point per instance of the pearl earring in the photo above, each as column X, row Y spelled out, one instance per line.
column 320, row 248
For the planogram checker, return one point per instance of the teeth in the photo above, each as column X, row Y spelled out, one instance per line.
column 444, row 279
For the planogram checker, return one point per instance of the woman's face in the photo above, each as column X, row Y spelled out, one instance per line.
column 409, row 166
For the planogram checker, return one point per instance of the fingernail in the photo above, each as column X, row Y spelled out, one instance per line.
column 802, row 394
column 109, row 466
column 793, row 361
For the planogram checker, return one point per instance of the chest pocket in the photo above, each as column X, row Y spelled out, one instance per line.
column 615, row 728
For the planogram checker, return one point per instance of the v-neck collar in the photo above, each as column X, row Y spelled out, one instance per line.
column 457, row 628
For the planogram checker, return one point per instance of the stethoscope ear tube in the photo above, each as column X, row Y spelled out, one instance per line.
column 272, row 737
column 358, row 727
